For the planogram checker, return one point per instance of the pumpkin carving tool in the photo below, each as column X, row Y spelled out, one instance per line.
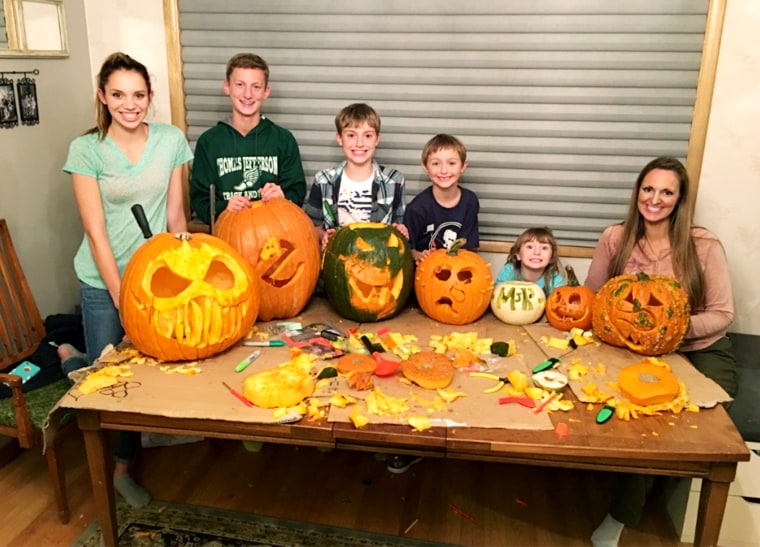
column 551, row 362
column 238, row 395
column 501, row 381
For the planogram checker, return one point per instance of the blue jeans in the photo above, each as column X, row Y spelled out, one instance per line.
column 102, row 326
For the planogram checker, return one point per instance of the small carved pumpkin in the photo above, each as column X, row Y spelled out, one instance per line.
column 367, row 271
column 186, row 297
column 570, row 306
column 277, row 238
column 648, row 383
column 648, row 314
column 453, row 285
column 518, row 302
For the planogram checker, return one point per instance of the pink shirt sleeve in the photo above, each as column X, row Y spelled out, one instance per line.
column 718, row 312
column 600, row 260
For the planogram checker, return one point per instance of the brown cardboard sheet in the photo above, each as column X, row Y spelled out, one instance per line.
column 477, row 409
column 152, row 390
column 702, row 391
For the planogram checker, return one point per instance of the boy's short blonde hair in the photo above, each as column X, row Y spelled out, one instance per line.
column 248, row 60
column 356, row 113
column 442, row 141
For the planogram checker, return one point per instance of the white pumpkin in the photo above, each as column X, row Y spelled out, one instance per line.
column 518, row 302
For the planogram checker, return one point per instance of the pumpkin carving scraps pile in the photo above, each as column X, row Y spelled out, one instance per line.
column 647, row 388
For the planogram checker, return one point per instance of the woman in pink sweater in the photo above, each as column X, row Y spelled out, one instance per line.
column 657, row 237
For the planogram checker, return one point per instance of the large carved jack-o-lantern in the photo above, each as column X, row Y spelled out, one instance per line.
column 186, row 297
column 277, row 238
column 570, row 306
column 367, row 271
column 453, row 285
column 649, row 314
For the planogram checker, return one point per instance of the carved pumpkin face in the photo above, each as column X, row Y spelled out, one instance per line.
column 518, row 302
column 186, row 297
column 649, row 314
column 453, row 286
column 570, row 306
column 277, row 238
column 367, row 271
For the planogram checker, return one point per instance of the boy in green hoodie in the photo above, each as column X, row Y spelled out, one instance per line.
column 246, row 157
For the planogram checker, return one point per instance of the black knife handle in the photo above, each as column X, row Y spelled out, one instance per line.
column 139, row 213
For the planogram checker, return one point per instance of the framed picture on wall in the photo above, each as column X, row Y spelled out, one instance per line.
column 8, row 112
column 27, row 100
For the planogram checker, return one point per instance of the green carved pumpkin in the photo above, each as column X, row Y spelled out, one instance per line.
column 367, row 270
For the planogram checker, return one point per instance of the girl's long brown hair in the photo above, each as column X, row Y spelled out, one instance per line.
column 115, row 61
column 686, row 264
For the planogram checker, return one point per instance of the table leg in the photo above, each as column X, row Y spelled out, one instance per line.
column 712, row 504
column 101, row 476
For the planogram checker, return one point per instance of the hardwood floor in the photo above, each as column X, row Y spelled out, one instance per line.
column 509, row 505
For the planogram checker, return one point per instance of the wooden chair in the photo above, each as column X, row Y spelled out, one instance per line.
column 21, row 329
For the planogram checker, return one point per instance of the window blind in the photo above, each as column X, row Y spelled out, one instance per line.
column 560, row 104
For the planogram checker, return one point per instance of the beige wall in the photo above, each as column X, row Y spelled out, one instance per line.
column 37, row 200
column 35, row 195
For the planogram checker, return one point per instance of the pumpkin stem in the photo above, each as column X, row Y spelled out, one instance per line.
column 454, row 247
column 572, row 279
column 641, row 276
column 183, row 236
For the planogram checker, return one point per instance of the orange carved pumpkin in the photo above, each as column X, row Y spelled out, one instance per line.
column 453, row 285
column 186, row 297
column 570, row 306
column 277, row 238
column 648, row 314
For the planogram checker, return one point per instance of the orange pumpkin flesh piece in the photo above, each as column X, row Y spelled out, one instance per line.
column 648, row 384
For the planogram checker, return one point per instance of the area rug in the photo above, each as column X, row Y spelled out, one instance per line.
column 190, row 525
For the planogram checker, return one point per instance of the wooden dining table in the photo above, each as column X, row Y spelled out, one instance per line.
column 703, row 444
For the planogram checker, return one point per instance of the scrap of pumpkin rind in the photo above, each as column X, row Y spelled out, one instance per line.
column 420, row 423
column 359, row 420
column 449, row 395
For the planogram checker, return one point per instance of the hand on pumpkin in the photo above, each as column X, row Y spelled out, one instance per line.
column 401, row 228
column 326, row 235
column 271, row 190
column 238, row 203
column 420, row 255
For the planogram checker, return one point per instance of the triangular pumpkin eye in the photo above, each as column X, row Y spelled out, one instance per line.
column 393, row 241
column 363, row 246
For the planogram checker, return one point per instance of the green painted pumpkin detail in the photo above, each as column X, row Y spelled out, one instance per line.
column 367, row 270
